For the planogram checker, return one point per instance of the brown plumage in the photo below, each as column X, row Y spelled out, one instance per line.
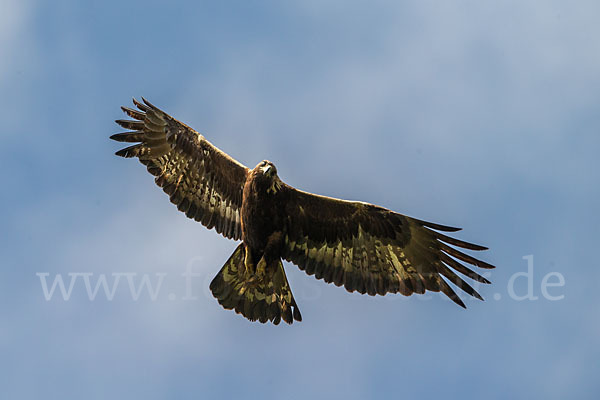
column 361, row 246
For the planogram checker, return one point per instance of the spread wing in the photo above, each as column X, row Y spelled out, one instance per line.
column 204, row 182
column 373, row 250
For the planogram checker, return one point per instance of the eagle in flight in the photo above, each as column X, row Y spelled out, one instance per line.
column 361, row 246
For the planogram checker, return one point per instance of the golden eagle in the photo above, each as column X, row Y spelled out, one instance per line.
column 361, row 246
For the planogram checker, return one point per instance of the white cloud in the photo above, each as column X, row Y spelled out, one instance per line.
column 14, row 24
column 15, row 47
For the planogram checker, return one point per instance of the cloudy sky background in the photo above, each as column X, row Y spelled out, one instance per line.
column 479, row 114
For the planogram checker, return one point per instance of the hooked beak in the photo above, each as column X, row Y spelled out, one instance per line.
column 266, row 169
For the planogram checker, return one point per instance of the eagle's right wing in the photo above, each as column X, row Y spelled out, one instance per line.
column 204, row 182
column 373, row 250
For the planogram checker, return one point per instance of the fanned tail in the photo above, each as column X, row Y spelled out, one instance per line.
column 257, row 296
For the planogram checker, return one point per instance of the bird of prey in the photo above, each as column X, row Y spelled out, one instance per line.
column 364, row 247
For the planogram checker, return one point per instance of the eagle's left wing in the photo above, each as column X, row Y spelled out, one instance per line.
column 201, row 180
column 373, row 250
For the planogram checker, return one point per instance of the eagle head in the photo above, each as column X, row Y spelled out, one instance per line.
column 266, row 171
column 266, row 168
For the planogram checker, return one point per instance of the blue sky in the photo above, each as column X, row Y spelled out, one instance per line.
column 476, row 114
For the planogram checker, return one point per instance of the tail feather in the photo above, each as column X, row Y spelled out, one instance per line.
column 258, row 297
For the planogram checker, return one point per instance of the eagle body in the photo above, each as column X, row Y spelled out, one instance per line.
column 262, row 211
column 363, row 247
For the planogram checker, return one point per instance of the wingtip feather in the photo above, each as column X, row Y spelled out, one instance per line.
column 139, row 105
column 148, row 103
column 438, row 227
column 459, row 243
column 129, row 152
column 122, row 153
column 458, row 300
